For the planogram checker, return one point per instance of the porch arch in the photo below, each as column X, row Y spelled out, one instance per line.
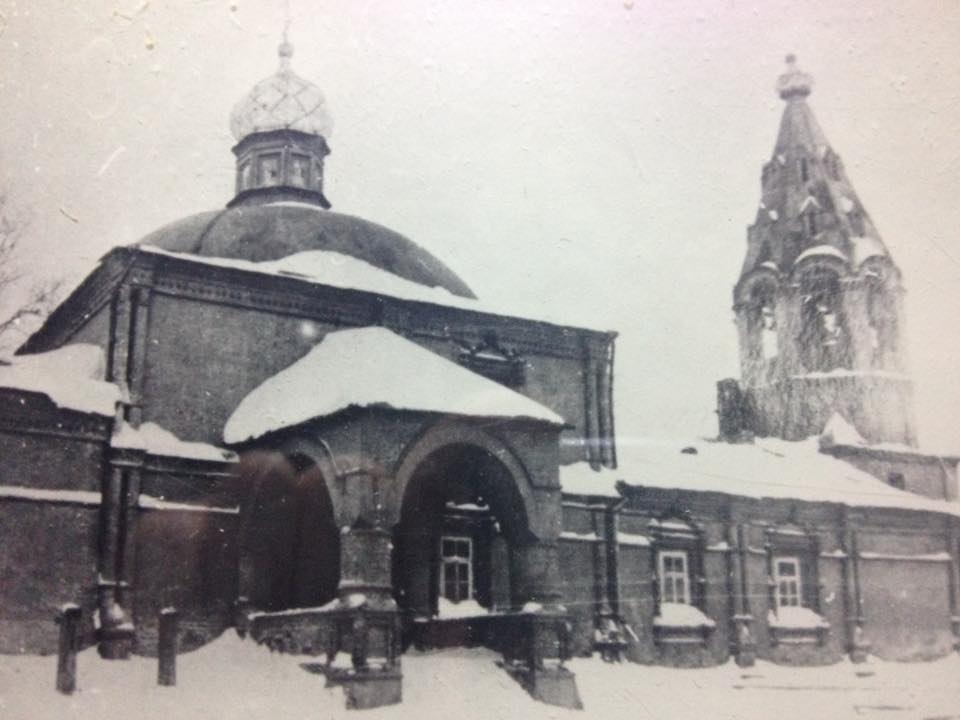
column 288, row 545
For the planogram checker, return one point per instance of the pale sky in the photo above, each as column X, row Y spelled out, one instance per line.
column 599, row 158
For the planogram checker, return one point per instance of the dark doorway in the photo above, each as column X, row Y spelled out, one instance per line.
column 290, row 548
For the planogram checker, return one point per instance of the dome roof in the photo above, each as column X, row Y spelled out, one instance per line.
column 283, row 101
column 272, row 231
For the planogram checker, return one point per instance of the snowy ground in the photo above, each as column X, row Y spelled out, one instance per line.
column 238, row 680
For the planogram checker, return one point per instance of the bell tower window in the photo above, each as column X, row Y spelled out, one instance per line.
column 803, row 166
column 299, row 170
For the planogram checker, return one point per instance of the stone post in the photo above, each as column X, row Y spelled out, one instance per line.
column 69, row 620
column 953, row 549
column 168, row 642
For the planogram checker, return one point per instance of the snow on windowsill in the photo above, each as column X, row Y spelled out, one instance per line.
column 681, row 615
column 449, row 610
column 796, row 618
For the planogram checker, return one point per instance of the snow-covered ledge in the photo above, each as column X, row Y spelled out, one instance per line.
column 679, row 623
column 797, row 626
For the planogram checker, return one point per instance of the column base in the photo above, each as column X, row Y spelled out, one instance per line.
column 745, row 650
column 553, row 686
column 860, row 647
column 116, row 643
column 369, row 688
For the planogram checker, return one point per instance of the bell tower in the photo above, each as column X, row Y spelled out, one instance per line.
column 819, row 300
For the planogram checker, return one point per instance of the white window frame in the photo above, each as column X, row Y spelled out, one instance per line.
column 796, row 579
column 444, row 561
column 666, row 579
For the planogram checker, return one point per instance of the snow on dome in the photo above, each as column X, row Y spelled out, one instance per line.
column 821, row 250
column 769, row 468
column 71, row 376
column 283, row 101
column 373, row 367
column 159, row 441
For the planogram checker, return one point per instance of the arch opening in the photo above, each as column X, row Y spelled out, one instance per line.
column 823, row 338
column 461, row 524
column 289, row 544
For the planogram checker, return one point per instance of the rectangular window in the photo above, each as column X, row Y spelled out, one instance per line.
column 456, row 568
column 674, row 577
column 804, row 169
column 269, row 166
column 786, row 577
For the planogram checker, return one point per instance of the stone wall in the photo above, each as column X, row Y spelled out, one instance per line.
column 898, row 590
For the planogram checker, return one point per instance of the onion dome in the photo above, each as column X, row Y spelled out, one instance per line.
column 283, row 101
column 794, row 83
column 281, row 127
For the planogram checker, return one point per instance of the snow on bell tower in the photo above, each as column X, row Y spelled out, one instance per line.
column 282, row 127
column 818, row 302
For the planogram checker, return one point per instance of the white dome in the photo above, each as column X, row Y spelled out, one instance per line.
column 283, row 101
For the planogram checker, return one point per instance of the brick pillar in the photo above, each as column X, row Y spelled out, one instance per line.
column 857, row 644
column 744, row 647
column 538, row 576
column 788, row 330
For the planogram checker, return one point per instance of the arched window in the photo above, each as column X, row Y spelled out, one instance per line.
column 763, row 348
column 823, row 340
column 882, row 318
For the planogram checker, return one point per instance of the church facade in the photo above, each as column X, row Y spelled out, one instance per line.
column 301, row 424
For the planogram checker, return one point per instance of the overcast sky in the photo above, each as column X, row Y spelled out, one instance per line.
column 600, row 158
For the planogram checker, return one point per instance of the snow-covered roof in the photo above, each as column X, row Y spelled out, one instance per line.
column 766, row 469
column 159, row 441
column 820, row 250
column 373, row 367
column 838, row 432
column 71, row 376
column 335, row 269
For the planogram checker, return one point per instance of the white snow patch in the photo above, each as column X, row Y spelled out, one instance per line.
column 767, row 468
column 773, row 215
column 579, row 537
column 532, row 607
column 158, row 441
column 233, row 679
column 449, row 610
column 373, row 367
column 809, row 201
column 846, row 204
column 625, row 538
column 721, row 546
column 681, row 615
column 334, row 269
column 820, row 251
column 796, row 618
column 149, row 502
column 71, row 376
column 838, row 431
column 72, row 497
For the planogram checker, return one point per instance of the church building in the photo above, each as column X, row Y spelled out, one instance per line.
column 303, row 426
